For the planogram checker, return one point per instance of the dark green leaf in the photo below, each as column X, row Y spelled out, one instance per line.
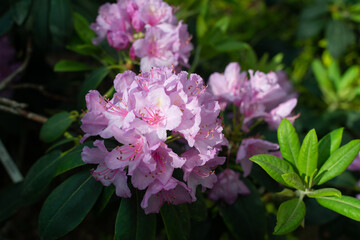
column 126, row 220
column 10, row 200
column 308, row 154
column 55, row 126
column 176, row 221
column 60, row 21
column 6, row 22
column 60, row 143
column 145, row 224
column 339, row 36
column 104, row 198
column 41, row 173
column 288, row 141
column 290, row 215
column 41, row 23
column 293, row 180
column 273, row 165
column 68, row 205
column 246, row 218
column 309, row 28
column 71, row 66
column 317, row 215
column 345, row 205
column 325, row 192
column 198, row 209
column 84, row 49
column 82, row 28
column 92, row 82
column 20, row 10
column 338, row 161
column 328, row 144
column 71, row 159
column 230, row 45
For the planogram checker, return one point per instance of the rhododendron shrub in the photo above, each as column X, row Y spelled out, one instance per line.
column 146, row 112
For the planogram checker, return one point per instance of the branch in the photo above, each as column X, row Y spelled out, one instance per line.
column 12, row 103
column 30, row 115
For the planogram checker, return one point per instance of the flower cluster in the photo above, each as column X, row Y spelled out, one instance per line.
column 268, row 96
column 151, row 29
column 147, row 112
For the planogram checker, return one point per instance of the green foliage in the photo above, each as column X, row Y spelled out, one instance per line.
column 56, row 126
column 71, row 66
column 177, row 221
column 68, row 205
column 304, row 177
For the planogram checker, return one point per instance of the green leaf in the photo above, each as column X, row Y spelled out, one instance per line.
column 145, row 224
column 328, row 144
column 71, row 159
column 82, row 28
column 104, row 198
column 273, row 165
column 61, row 142
column 55, row 126
column 308, row 154
column 201, row 27
column 71, row 66
column 60, row 21
column 92, row 81
column 345, row 205
column 67, row 206
column 325, row 192
column 176, row 221
column 84, row 49
column 293, row 180
column 41, row 173
column 198, row 209
column 335, row 74
column 339, row 37
column 290, row 215
column 41, row 29
column 350, row 77
column 6, row 22
column 338, row 161
column 10, row 200
column 230, row 45
column 125, row 220
column 20, row 10
column 246, row 218
column 288, row 141
column 321, row 77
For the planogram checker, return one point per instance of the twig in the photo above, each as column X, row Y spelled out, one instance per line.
column 12, row 103
column 21, row 112
column 41, row 89
column 8, row 79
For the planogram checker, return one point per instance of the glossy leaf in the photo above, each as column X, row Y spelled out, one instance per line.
column 20, row 10
column 55, row 126
column 71, row 66
column 325, row 192
column 41, row 173
column 126, row 220
column 293, row 180
column 82, row 28
column 67, row 206
column 288, row 141
column 290, row 215
column 273, row 165
column 328, row 144
column 176, row 221
column 345, row 205
column 338, row 161
column 92, row 81
column 308, row 154
column 246, row 218
column 71, row 159
column 104, row 198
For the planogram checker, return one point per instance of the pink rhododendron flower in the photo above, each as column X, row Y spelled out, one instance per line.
column 355, row 165
column 149, row 28
column 266, row 96
column 145, row 112
column 228, row 187
column 253, row 146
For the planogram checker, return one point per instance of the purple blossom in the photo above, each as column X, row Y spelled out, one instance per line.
column 253, row 146
column 355, row 165
column 228, row 187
